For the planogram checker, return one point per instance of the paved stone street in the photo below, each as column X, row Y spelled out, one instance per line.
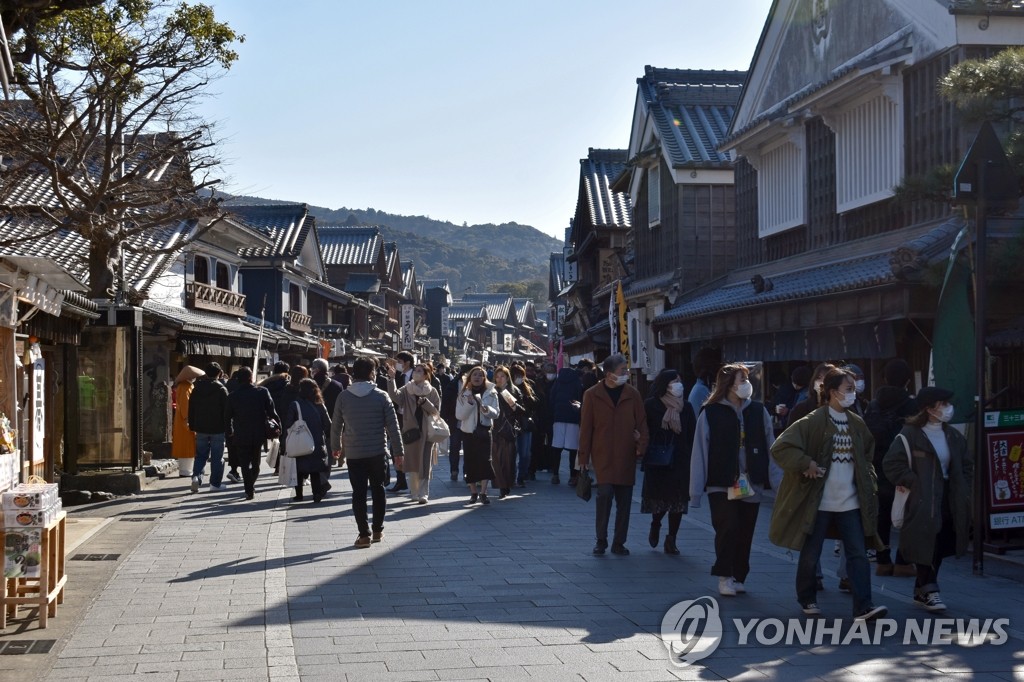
column 211, row 587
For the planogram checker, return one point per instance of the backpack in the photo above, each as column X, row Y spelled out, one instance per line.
column 884, row 425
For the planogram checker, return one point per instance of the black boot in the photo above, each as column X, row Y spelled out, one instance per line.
column 670, row 545
column 655, row 534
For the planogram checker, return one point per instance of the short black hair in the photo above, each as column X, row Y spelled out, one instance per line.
column 213, row 370
column 244, row 375
column 404, row 356
column 281, row 367
column 364, row 369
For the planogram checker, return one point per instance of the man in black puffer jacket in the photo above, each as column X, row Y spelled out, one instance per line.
column 207, row 416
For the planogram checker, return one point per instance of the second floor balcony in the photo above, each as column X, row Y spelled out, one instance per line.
column 298, row 322
column 200, row 296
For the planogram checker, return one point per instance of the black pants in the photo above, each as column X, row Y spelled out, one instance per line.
column 734, row 522
column 623, row 496
column 363, row 474
column 674, row 519
column 556, row 460
column 317, row 481
column 249, row 461
column 540, row 449
column 454, row 448
column 945, row 545
column 886, row 494
column 233, row 461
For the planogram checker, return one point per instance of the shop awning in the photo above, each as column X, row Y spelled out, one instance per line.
column 201, row 323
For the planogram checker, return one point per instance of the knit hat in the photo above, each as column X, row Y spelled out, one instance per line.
column 897, row 373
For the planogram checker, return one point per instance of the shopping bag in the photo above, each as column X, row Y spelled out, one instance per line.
column 899, row 502
column 299, row 441
column 437, row 429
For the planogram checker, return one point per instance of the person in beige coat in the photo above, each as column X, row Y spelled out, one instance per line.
column 417, row 401
column 613, row 436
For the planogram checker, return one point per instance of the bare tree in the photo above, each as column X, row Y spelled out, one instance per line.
column 103, row 138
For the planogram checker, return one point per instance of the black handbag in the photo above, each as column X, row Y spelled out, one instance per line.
column 583, row 486
column 528, row 424
column 412, row 435
column 660, row 454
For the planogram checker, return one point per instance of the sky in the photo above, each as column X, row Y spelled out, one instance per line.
column 472, row 111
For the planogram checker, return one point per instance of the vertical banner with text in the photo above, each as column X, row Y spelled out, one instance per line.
column 408, row 326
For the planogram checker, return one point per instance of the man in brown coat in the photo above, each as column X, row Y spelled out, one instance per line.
column 613, row 436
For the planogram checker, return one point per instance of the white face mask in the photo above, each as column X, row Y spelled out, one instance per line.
column 745, row 390
column 847, row 399
column 946, row 414
column 518, row 381
column 859, row 385
column 620, row 379
column 550, row 377
column 676, row 389
column 418, row 376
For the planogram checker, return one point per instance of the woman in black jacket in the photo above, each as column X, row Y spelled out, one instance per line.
column 316, row 465
column 670, row 421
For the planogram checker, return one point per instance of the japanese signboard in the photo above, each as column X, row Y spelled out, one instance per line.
column 1006, row 469
column 408, row 327
column 38, row 410
column 509, row 342
column 446, row 329
column 610, row 266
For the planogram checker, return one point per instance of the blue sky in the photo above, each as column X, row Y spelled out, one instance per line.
column 463, row 110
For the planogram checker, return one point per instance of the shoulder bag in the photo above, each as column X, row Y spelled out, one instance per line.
column 660, row 452
column 899, row 502
column 437, row 429
column 299, row 441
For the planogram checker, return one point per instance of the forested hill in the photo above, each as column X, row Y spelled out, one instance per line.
column 477, row 257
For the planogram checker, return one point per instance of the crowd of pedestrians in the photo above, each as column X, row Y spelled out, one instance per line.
column 832, row 459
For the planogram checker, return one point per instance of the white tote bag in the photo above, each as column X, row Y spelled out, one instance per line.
column 437, row 429
column 299, row 441
column 899, row 503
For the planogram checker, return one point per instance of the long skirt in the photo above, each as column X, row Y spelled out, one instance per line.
column 476, row 457
column 503, row 461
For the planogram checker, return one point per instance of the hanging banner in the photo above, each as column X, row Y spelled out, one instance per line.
column 509, row 343
column 446, row 329
column 38, row 410
column 613, row 323
column 621, row 328
column 408, row 326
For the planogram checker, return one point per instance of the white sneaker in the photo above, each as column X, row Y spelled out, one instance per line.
column 738, row 586
column 725, row 587
column 810, row 609
column 195, row 484
column 218, row 487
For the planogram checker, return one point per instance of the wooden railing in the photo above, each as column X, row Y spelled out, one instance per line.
column 201, row 296
column 298, row 322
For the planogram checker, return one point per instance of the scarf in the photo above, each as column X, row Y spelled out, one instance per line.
column 419, row 389
column 673, row 406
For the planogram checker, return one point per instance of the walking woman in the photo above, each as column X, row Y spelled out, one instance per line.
column 937, row 520
column 506, row 430
column 183, row 439
column 316, row 465
column 730, row 463
column 829, row 482
column 417, row 401
column 527, row 421
column 671, row 424
column 476, row 410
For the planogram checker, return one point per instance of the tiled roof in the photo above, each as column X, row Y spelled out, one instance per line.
column 200, row 321
column 408, row 275
column 556, row 273
column 362, row 283
column 466, row 311
column 692, row 110
column 498, row 305
column 287, row 225
column 523, row 306
column 71, row 250
column 326, row 290
column 390, row 254
column 649, row 284
column 428, row 284
column 604, row 207
column 350, row 245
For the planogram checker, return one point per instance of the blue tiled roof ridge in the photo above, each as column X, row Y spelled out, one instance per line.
column 694, row 76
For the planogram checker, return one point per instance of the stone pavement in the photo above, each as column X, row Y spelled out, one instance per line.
column 211, row 587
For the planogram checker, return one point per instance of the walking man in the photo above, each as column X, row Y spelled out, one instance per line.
column 363, row 425
column 249, row 409
column 613, row 436
column 207, row 416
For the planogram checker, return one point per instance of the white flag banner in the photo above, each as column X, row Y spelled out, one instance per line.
column 408, row 327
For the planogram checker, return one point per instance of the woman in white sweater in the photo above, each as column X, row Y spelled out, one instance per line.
column 476, row 410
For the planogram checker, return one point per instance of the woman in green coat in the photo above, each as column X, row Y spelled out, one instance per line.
column 937, row 517
column 829, row 482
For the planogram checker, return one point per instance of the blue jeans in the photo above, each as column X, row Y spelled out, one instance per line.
column 851, row 531
column 209, row 446
column 524, row 448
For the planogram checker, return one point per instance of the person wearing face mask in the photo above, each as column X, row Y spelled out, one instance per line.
column 476, row 410
column 666, row 491
column 527, row 421
column 730, row 464
column 540, row 456
column 859, row 385
column 417, row 401
column 937, row 520
column 401, row 372
column 814, row 399
column 505, row 432
column 613, row 436
column 705, row 364
column 829, row 482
